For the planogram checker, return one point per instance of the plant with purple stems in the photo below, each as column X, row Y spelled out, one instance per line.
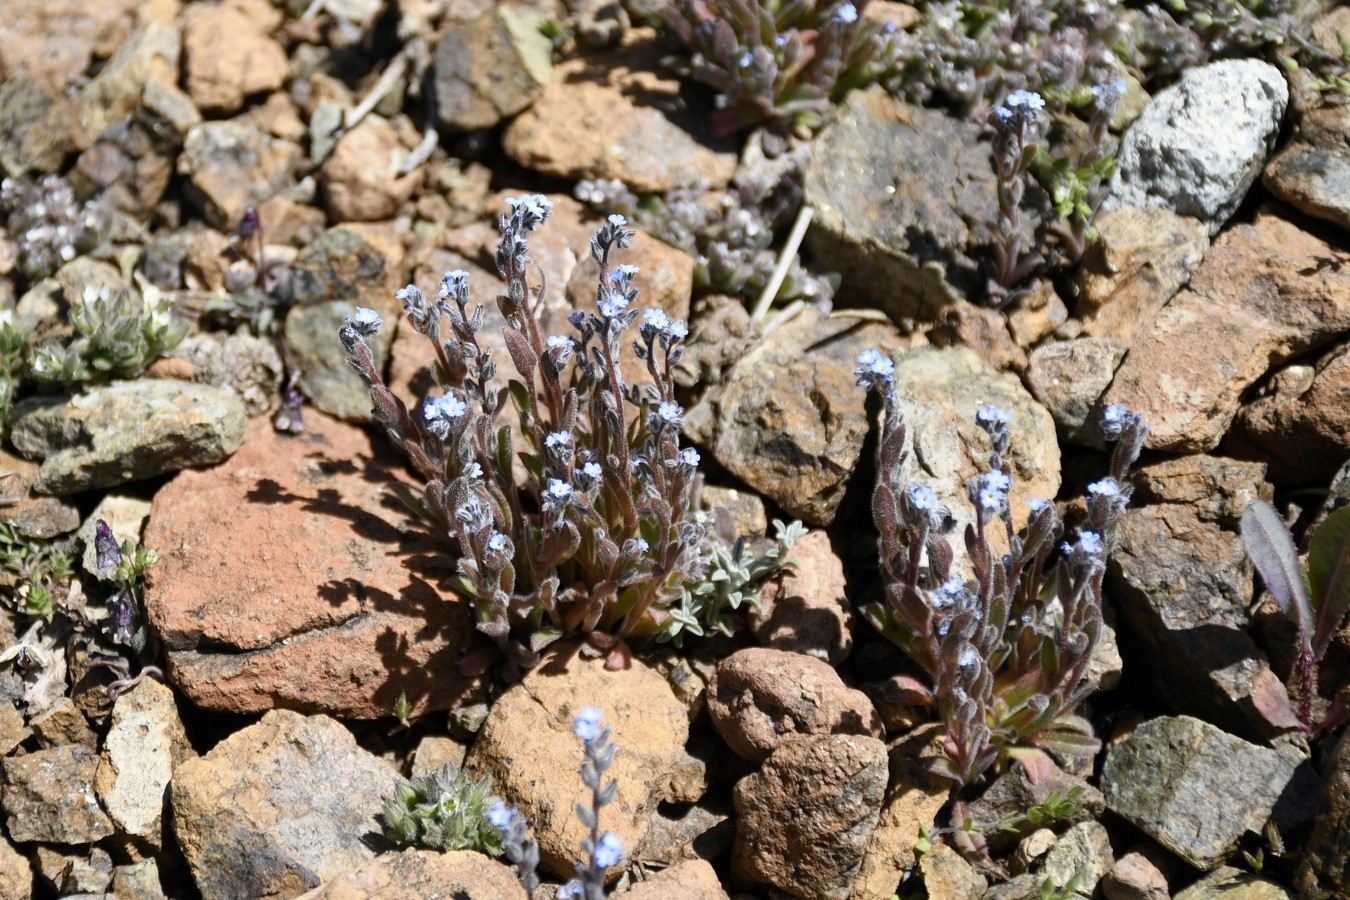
column 1316, row 595
column 1006, row 652
column 1017, row 132
column 125, row 566
column 602, row 536
column 784, row 64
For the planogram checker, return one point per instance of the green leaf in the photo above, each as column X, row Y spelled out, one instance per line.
column 1329, row 576
column 1272, row 551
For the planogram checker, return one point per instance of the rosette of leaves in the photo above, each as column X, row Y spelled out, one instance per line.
column 49, row 225
column 783, row 63
column 1316, row 595
column 735, row 576
column 1005, row 651
column 602, row 535
column 116, row 335
column 446, row 810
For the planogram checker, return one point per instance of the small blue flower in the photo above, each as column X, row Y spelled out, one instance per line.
column 657, row 319
column 608, row 850
column 454, row 284
column 1090, row 542
column 922, row 497
column 497, row 543
column 642, row 545
column 988, row 417
column 500, row 816
column 573, row 890
column 613, row 304
column 1107, row 487
column 365, row 322
column 591, row 471
column 846, row 14
column 558, row 491
column 951, row 590
column 746, row 59
column 586, row 725
column 558, row 440
column 1036, row 504
column 968, row 658
column 617, row 220
column 440, row 412
column 689, row 456
column 668, row 414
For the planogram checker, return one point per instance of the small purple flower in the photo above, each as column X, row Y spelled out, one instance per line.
column 107, row 552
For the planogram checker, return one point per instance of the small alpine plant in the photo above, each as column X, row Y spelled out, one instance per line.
column 1006, row 651
column 783, row 63
column 1017, row 130
column 601, row 535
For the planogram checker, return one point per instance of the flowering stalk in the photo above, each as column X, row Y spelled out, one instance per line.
column 602, row 537
column 1005, row 653
column 604, row 850
column 1078, row 186
column 517, row 843
column 1016, row 125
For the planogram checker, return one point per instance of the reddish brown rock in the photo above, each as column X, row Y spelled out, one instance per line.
column 1300, row 421
column 807, row 817
column 55, row 40
column 1135, row 877
column 529, row 749
column 288, row 579
column 807, row 611
column 229, row 57
column 760, row 699
column 1140, row 260
column 424, row 873
column 1266, row 292
column 361, row 180
column 692, row 880
column 589, row 123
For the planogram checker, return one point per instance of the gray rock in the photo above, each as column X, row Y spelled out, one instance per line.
column 35, row 127
column 940, row 390
column 342, row 265
column 151, row 54
column 806, row 817
column 130, row 166
column 1183, row 585
column 1013, row 793
column 325, row 378
column 250, row 366
column 1069, row 377
column 144, row 744
column 75, row 872
column 1312, row 172
column 1324, row 872
column 279, row 807
column 491, row 68
column 789, row 419
column 137, row 881
column 947, row 876
column 126, row 431
column 1193, row 788
column 1083, row 852
column 233, row 165
column 1201, row 143
column 31, row 514
column 1228, row 883
column 49, row 796
column 904, row 199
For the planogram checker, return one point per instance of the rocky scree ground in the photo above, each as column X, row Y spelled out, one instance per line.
column 252, row 173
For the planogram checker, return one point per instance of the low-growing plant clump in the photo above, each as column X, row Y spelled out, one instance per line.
column 600, row 535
